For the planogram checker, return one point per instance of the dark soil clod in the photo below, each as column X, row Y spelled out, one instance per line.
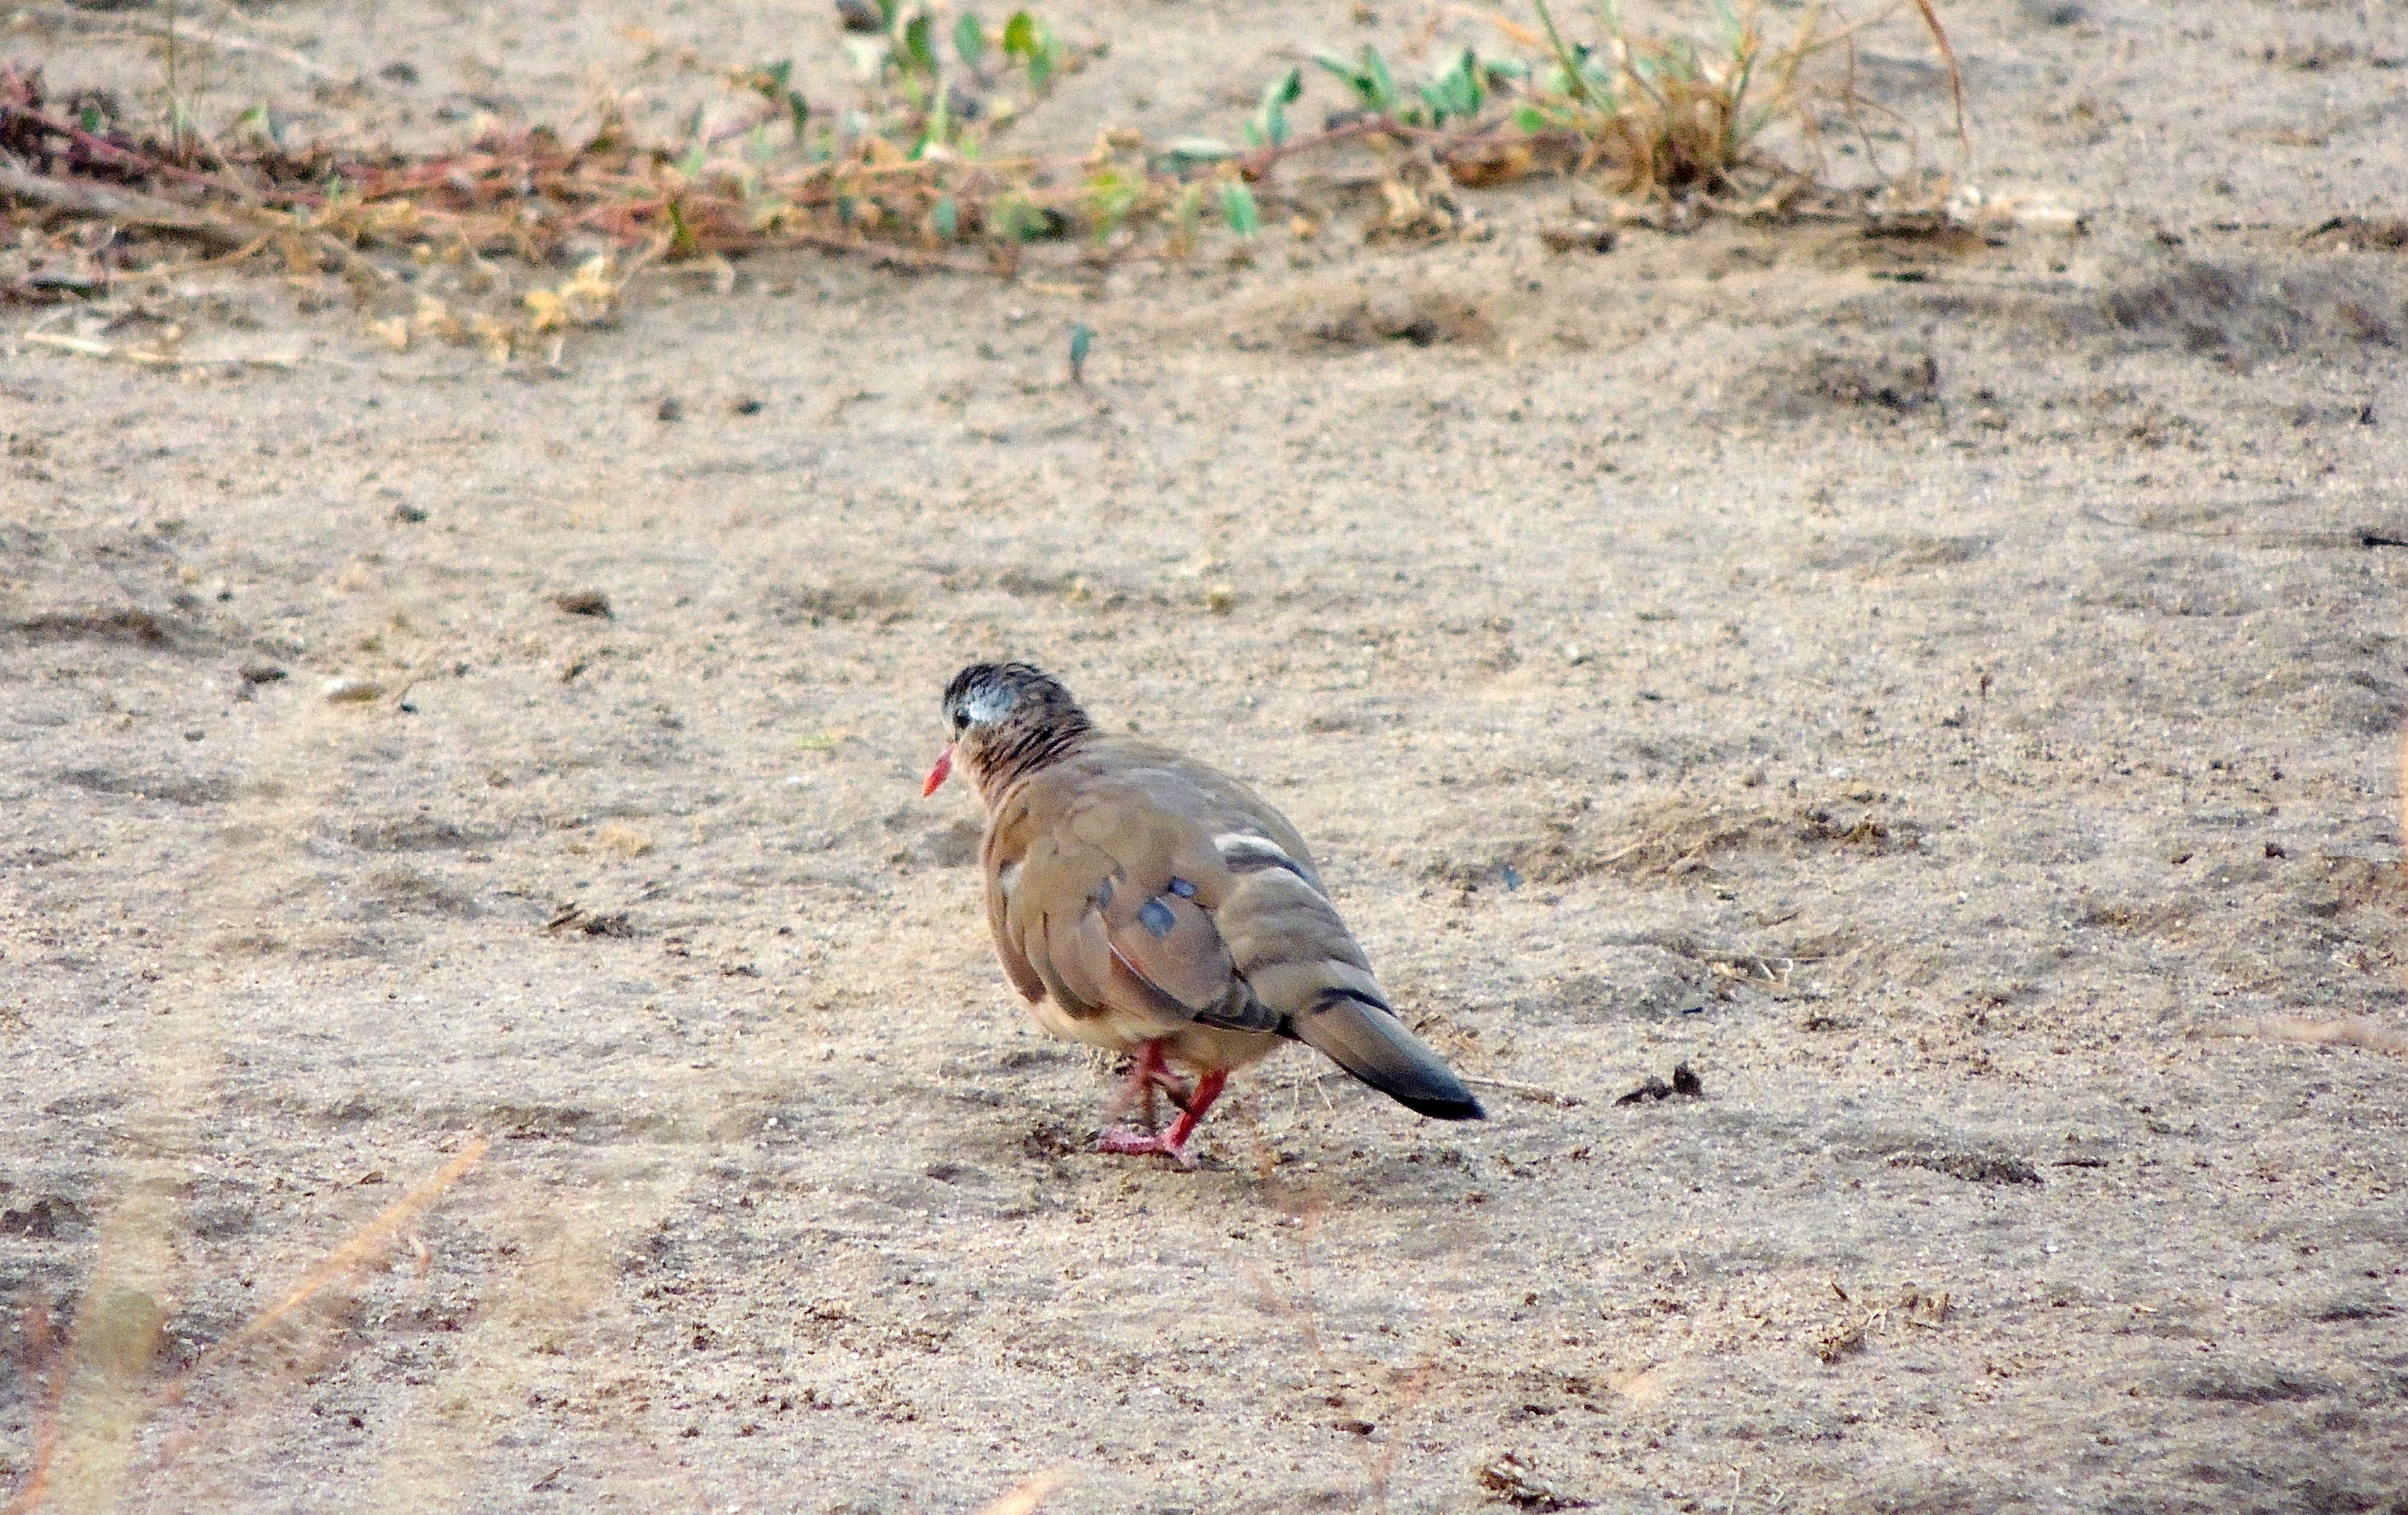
column 1685, row 1084
column 576, row 918
column 1970, row 1166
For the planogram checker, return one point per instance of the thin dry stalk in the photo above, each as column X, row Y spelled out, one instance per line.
column 1528, row 1090
column 1948, row 55
column 46, row 1362
column 1024, row 1497
column 53, row 1362
column 117, row 27
column 93, row 201
column 351, row 1255
column 151, row 358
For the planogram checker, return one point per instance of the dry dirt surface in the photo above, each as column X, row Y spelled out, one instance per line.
column 1948, row 697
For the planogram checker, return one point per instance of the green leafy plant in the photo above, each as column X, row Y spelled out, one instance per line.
column 911, row 168
column 1034, row 45
column 1238, row 211
column 969, row 41
column 1365, row 77
column 772, row 83
column 1268, row 126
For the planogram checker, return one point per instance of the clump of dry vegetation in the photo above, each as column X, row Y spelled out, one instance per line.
column 915, row 171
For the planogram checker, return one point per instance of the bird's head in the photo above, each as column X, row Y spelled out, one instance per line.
column 1004, row 719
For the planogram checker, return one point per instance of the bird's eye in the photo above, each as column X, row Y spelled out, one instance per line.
column 961, row 723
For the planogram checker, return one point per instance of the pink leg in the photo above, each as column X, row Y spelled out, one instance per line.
column 1172, row 1143
column 1148, row 1072
column 1208, row 1089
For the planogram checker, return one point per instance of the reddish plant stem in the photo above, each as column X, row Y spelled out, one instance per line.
column 92, row 142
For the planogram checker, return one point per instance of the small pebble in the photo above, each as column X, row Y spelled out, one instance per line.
column 1590, row 235
column 261, row 673
column 352, row 691
column 1573, row 655
column 671, row 409
column 584, row 602
column 1221, row 598
column 746, row 407
column 409, row 515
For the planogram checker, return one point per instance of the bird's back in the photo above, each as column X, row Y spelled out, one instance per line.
column 1128, row 881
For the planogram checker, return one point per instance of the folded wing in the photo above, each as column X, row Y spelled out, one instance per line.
column 1148, row 896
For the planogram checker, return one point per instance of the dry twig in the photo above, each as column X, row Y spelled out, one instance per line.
column 129, row 208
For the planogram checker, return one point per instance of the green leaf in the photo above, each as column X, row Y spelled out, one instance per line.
column 1376, row 71
column 919, row 43
column 1237, row 210
column 774, row 84
column 1457, row 92
column 945, row 220
column 1268, row 127
column 1530, row 119
column 1032, row 42
column 263, row 124
column 1374, row 89
column 1341, row 68
column 969, row 40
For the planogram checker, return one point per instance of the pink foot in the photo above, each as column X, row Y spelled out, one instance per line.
column 1127, row 1141
column 1173, row 1142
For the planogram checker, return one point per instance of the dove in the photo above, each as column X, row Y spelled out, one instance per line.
column 1143, row 902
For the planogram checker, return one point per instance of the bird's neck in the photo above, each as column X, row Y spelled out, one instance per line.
column 1018, row 753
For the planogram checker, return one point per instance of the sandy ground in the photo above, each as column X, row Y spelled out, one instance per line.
column 1930, row 692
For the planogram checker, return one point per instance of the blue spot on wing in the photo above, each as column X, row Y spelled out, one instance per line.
column 1104, row 894
column 1182, row 888
column 1156, row 917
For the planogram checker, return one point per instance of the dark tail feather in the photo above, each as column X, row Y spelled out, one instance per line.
column 1369, row 1041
